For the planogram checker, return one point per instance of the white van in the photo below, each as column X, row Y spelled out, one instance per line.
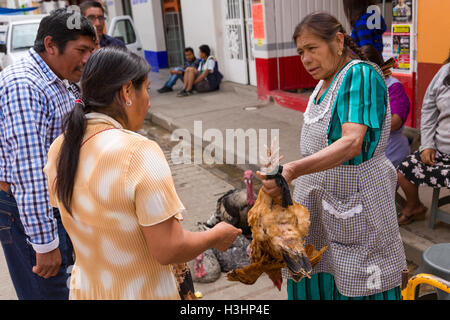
column 17, row 35
column 18, row 32
column 122, row 27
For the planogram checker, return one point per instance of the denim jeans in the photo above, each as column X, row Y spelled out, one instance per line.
column 174, row 77
column 21, row 257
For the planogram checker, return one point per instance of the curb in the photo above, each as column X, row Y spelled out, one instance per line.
column 414, row 245
column 169, row 125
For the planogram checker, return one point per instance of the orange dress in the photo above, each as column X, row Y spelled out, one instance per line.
column 123, row 182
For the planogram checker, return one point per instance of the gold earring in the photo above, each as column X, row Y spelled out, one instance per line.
column 340, row 52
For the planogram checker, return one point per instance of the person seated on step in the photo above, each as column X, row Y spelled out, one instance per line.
column 178, row 72
column 205, row 78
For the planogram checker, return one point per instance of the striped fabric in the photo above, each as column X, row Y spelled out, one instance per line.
column 33, row 103
column 322, row 286
column 361, row 99
column 362, row 34
column 123, row 182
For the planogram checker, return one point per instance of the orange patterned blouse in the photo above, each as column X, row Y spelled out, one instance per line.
column 123, row 182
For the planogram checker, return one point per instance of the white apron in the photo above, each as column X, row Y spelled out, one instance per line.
column 352, row 207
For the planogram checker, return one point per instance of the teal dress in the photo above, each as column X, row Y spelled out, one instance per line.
column 360, row 99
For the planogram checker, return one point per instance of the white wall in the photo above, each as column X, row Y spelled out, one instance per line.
column 281, row 18
column 202, row 24
column 147, row 16
column 114, row 8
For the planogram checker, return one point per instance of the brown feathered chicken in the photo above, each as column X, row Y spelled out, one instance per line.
column 277, row 240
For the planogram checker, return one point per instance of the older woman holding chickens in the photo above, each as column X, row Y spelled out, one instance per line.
column 344, row 177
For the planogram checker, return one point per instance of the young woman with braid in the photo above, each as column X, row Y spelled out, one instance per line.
column 115, row 190
column 344, row 177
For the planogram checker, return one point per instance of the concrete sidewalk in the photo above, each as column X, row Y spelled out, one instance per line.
column 237, row 106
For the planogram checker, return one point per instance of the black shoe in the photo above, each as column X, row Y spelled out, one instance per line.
column 165, row 89
column 182, row 93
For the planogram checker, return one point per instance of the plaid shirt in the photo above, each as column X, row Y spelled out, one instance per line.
column 33, row 102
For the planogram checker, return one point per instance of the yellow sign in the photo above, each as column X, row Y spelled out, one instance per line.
column 401, row 29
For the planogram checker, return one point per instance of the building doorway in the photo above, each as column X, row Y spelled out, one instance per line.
column 239, row 58
column 173, row 32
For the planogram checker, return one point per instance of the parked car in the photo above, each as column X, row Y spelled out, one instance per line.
column 122, row 27
column 18, row 32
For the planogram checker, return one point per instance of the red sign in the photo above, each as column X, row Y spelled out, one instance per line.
column 259, row 31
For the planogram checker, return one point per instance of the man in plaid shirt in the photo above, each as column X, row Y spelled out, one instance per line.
column 33, row 102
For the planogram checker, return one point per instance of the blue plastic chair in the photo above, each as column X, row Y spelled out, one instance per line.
column 436, row 262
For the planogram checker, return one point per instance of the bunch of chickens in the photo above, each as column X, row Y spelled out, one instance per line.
column 277, row 237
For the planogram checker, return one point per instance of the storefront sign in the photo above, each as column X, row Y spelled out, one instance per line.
column 401, row 46
column 259, row 31
column 402, row 11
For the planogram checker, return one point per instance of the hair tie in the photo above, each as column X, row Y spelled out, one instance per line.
column 80, row 102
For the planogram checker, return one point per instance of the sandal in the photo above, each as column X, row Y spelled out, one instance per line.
column 404, row 219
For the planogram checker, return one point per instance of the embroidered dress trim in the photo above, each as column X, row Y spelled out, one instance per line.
column 344, row 215
column 308, row 119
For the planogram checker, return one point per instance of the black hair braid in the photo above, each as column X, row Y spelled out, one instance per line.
column 349, row 43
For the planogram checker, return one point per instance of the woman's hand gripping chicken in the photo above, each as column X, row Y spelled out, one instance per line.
column 277, row 236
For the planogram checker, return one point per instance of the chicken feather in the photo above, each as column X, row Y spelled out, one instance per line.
column 277, row 238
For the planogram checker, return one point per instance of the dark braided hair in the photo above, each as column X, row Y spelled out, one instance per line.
column 349, row 43
column 326, row 26
column 374, row 56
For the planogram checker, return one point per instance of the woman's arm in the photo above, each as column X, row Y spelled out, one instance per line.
column 202, row 76
column 169, row 243
column 396, row 122
column 344, row 149
column 158, row 209
column 430, row 114
column 400, row 105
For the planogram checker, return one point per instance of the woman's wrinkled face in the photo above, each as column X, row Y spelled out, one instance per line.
column 316, row 55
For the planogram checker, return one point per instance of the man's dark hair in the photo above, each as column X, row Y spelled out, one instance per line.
column 89, row 4
column 57, row 25
column 189, row 49
column 205, row 49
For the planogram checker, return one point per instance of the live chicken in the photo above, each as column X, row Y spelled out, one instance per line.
column 277, row 239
